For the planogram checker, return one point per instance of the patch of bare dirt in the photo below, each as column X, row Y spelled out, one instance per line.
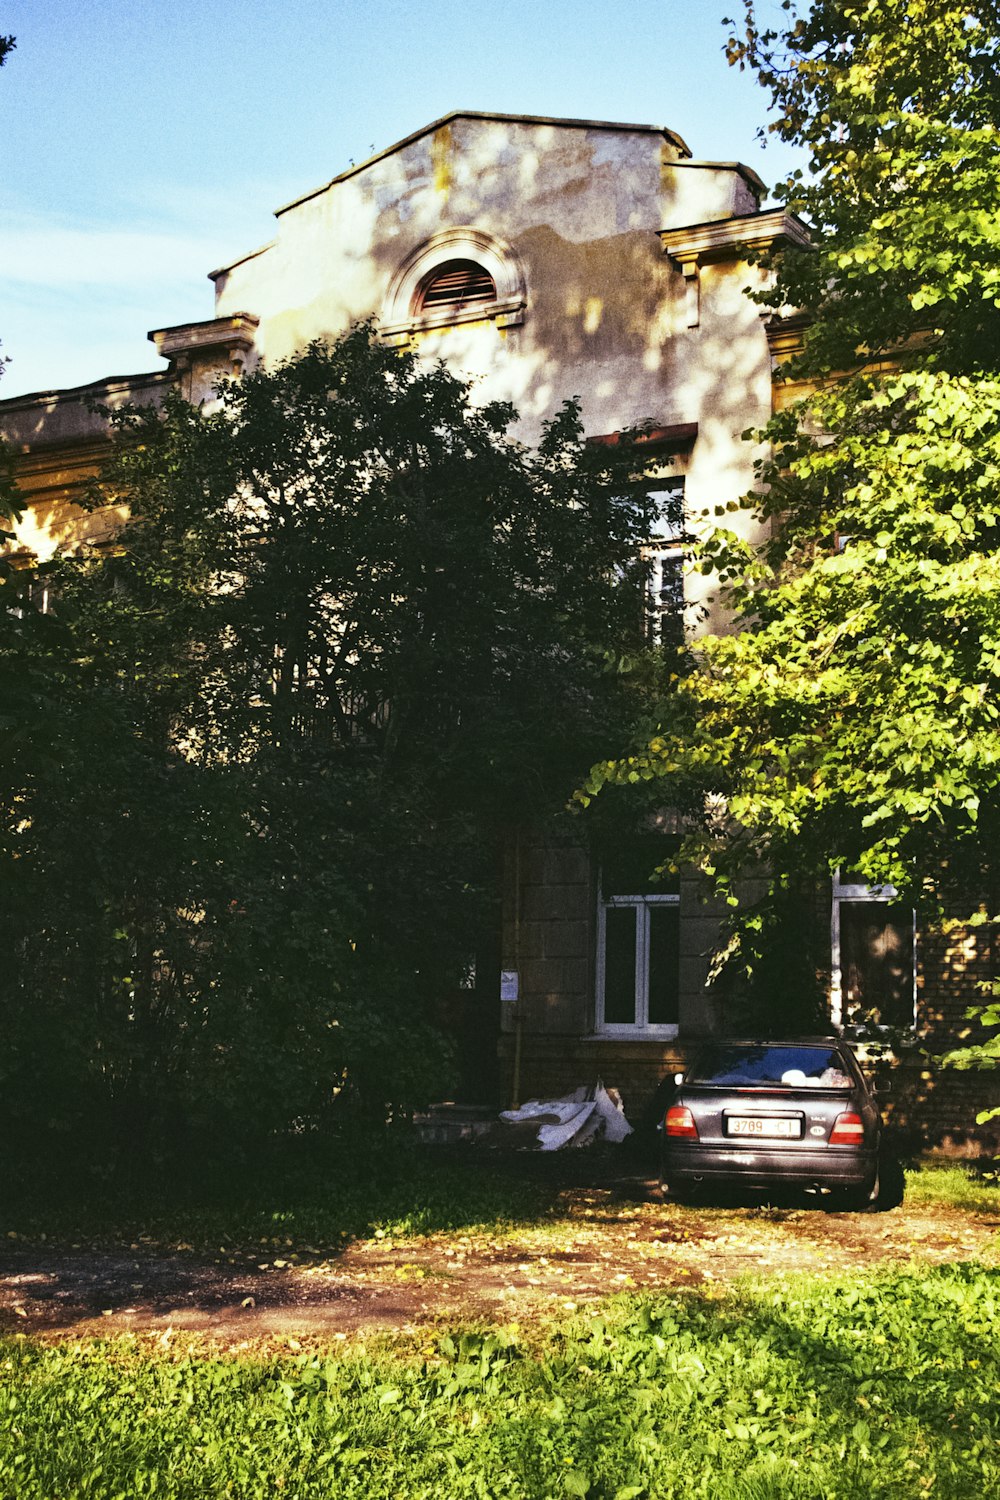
column 608, row 1239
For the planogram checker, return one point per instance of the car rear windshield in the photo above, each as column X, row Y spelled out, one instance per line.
column 771, row 1067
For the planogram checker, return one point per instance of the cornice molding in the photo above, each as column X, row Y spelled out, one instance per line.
column 724, row 239
column 784, row 334
column 697, row 245
column 235, row 334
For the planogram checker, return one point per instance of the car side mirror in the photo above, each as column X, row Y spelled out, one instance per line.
column 678, row 1078
column 883, row 1087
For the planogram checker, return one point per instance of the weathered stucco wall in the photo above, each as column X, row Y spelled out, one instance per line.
column 581, row 208
column 605, row 321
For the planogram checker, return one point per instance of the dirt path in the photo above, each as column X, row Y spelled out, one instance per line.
column 609, row 1239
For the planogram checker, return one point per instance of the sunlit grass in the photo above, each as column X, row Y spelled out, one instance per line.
column 958, row 1187
column 848, row 1389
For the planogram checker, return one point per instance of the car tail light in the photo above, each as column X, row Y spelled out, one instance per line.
column 680, row 1123
column 848, row 1130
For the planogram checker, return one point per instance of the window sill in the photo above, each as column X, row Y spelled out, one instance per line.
column 505, row 313
column 635, row 1033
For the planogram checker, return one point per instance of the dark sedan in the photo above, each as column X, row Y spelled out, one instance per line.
column 774, row 1114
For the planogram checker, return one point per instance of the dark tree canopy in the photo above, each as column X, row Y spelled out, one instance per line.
column 352, row 630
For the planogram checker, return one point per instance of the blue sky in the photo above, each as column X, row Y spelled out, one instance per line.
column 145, row 142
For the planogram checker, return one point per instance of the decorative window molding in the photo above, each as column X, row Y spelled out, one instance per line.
column 462, row 253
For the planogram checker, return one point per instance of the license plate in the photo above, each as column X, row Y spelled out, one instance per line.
column 763, row 1125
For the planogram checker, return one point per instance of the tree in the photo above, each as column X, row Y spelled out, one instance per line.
column 351, row 631
column 852, row 720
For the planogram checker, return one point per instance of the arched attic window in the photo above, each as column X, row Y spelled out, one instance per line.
column 457, row 276
column 457, row 283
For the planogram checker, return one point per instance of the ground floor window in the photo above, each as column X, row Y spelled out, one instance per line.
column 873, row 957
column 638, row 944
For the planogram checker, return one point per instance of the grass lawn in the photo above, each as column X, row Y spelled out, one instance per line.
column 861, row 1388
column 867, row 1384
column 396, row 1194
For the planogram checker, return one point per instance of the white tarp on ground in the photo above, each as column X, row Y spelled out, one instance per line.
column 576, row 1119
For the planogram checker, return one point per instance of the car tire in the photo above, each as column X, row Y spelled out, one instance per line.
column 858, row 1200
column 892, row 1183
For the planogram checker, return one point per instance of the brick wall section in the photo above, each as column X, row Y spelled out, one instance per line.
column 955, row 970
column 939, row 1105
column 935, row 1108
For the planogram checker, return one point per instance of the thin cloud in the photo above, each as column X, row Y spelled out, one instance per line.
column 36, row 252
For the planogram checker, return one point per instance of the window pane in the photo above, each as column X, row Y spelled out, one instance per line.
column 619, row 966
column 666, row 598
column 876, row 961
column 664, row 964
column 669, row 524
column 794, row 1067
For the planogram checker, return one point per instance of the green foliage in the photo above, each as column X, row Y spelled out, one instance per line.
column 351, row 631
column 960, row 1187
column 854, row 716
column 896, row 107
column 845, row 1390
column 852, row 720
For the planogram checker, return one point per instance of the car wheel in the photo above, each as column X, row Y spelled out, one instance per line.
column 892, row 1183
column 857, row 1200
column 680, row 1192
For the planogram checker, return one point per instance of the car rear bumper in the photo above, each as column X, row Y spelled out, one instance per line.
column 833, row 1168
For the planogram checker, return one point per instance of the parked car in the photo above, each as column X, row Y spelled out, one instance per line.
column 774, row 1114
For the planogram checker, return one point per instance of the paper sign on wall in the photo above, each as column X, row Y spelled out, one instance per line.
column 508, row 986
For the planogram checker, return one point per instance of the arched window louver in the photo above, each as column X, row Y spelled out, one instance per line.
column 458, row 284
column 460, row 275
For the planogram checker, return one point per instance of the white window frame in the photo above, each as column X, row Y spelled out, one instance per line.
column 663, row 547
column 640, row 1026
column 853, row 891
column 41, row 599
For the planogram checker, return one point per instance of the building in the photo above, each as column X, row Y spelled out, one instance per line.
column 548, row 259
